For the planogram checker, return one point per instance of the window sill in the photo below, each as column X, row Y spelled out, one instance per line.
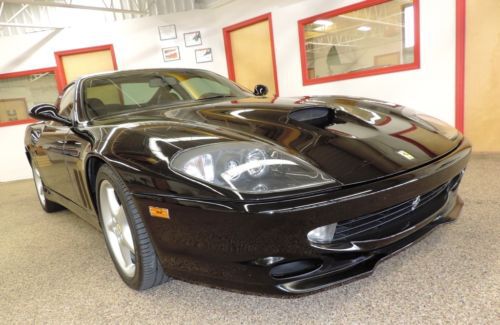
column 360, row 74
column 18, row 122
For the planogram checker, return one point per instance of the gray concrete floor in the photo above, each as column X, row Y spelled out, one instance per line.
column 54, row 268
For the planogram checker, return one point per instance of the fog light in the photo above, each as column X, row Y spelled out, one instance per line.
column 322, row 235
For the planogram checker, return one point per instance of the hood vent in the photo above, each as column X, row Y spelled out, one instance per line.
column 318, row 116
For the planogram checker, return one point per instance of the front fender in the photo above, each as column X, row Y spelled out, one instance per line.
column 142, row 161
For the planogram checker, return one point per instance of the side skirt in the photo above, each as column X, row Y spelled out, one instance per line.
column 85, row 214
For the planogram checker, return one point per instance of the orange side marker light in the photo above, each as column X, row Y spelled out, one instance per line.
column 159, row 212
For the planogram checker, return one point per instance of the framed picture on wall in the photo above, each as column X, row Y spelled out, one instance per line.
column 203, row 55
column 167, row 32
column 171, row 54
column 192, row 39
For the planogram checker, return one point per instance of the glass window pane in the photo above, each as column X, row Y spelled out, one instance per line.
column 374, row 37
column 199, row 87
column 18, row 94
column 67, row 101
column 114, row 94
column 137, row 93
column 107, row 94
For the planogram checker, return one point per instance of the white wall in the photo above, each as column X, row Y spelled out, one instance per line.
column 137, row 45
column 430, row 89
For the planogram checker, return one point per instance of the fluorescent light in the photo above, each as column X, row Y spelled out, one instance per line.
column 323, row 22
column 409, row 24
column 364, row 28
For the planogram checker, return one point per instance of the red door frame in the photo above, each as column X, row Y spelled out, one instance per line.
column 61, row 76
column 229, row 53
column 22, row 74
column 460, row 64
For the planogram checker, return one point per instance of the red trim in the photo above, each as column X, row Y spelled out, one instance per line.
column 17, row 122
column 460, row 65
column 227, row 44
column 358, row 74
column 26, row 72
column 419, row 145
column 18, row 74
column 61, row 80
column 384, row 121
column 302, row 100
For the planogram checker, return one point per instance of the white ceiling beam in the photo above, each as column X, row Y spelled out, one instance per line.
column 210, row 4
column 73, row 6
column 370, row 21
column 23, row 8
column 29, row 26
column 1, row 8
column 20, row 11
column 35, row 77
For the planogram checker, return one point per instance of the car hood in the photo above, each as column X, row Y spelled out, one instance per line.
column 367, row 139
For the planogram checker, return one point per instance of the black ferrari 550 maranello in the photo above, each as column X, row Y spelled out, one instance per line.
column 191, row 176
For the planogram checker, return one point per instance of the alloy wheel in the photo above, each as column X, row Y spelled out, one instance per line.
column 117, row 229
column 39, row 185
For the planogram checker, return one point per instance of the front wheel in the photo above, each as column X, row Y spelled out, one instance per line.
column 127, row 240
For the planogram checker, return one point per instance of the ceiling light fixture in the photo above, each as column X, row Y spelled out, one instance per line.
column 323, row 22
column 364, row 28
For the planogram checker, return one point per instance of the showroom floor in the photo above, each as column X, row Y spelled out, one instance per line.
column 55, row 269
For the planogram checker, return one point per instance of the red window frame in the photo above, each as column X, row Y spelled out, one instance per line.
column 23, row 74
column 61, row 80
column 358, row 74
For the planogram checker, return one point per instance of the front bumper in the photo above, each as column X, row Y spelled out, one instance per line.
column 230, row 244
column 364, row 264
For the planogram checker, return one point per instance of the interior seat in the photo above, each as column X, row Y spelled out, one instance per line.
column 94, row 105
column 165, row 96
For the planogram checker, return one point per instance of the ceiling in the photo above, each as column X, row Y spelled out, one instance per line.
column 27, row 16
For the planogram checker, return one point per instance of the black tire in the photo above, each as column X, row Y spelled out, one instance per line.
column 148, row 270
column 47, row 205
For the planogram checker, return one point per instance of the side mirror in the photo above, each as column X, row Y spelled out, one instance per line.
column 48, row 112
column 260, row 90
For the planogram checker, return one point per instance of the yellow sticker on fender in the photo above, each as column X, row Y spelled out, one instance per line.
column 159, row 212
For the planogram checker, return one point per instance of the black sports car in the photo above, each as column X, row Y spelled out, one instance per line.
column 191, row 176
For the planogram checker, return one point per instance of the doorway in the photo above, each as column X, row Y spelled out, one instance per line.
column 482, row 75
column 250, row 53
column 72, row 64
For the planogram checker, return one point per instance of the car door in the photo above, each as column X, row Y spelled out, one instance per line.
column 74, row 151
column 50, row 156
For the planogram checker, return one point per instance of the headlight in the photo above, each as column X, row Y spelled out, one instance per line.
column 248, row 167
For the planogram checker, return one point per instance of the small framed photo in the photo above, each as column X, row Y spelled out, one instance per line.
column 203, row 55
column 167, row 32
column 192, row 39
column 171, row 54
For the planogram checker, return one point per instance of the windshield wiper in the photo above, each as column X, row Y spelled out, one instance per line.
column 217, row 96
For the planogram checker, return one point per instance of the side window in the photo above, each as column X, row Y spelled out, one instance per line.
column 66, row 103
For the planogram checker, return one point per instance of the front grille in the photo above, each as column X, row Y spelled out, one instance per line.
column 394, row 219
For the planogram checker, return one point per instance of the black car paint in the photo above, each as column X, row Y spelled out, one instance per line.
column 216, row 235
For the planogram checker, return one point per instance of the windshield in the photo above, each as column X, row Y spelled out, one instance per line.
column 115, row 94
